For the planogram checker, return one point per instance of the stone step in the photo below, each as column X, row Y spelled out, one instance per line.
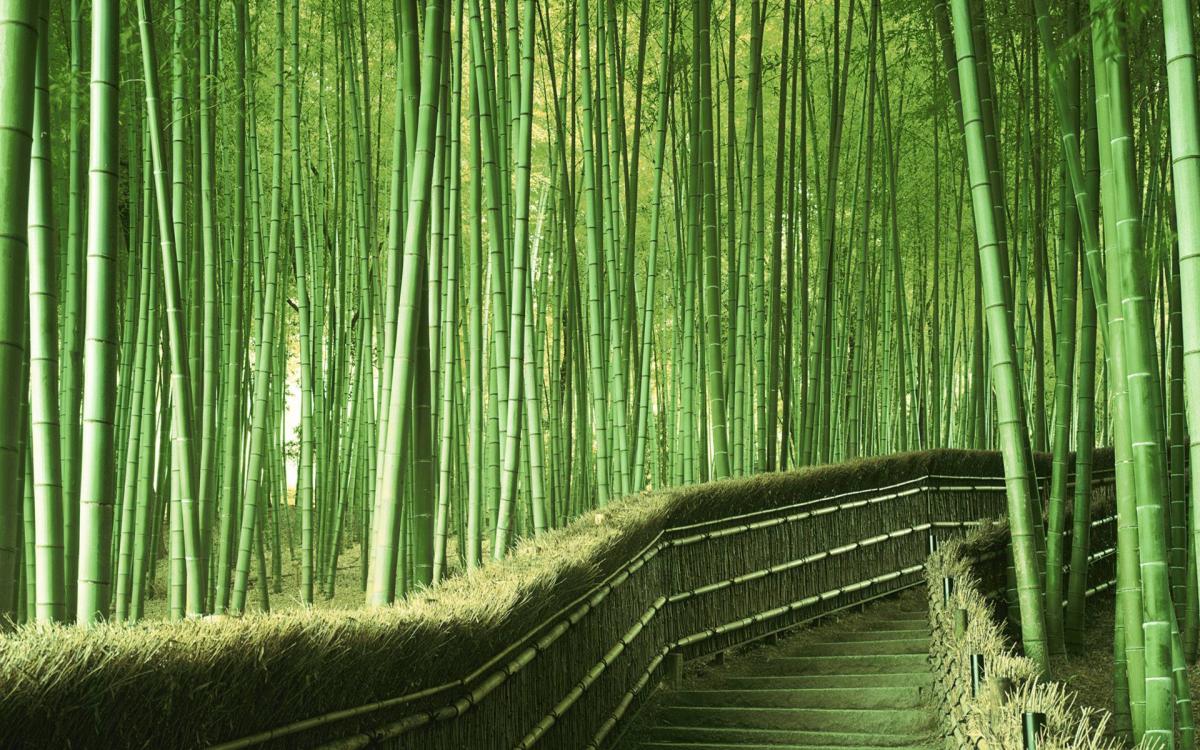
column 858, row 697
column 844, row 665
column 696, row 737
column 864, row 689
column 883, row 635
column 865, row 721
column 901, row 623
column 920, row 678
column 886, row 647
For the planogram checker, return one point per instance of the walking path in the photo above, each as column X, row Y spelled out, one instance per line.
column 861, row 682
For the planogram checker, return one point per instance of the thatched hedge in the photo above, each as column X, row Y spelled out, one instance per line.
column 197, row 683
column 992, row 718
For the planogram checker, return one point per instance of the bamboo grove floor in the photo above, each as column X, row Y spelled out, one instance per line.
column 1090, row 674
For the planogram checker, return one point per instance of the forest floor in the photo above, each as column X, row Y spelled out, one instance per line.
column 1090, row 675
column 285, row 592
column 348, row 593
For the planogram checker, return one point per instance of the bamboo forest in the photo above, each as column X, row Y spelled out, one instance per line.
column 705, row 374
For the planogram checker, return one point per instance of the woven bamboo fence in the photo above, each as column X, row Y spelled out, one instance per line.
column 973, row 616
column 555, row 647
column 696, row 589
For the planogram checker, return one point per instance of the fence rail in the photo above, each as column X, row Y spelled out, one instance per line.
column 696, row 589
column 982, row 578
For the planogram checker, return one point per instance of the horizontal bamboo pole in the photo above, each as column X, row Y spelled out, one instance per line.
column 480, row 683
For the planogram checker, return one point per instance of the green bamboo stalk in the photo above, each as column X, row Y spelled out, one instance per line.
column 304, row 481
column 1086, row 415
column 643, row 401
column 1145, row 407
column 385, row 521
column 1014, row 439
column 1180, row 47
column 73, row 302
column 475, row 353
column 232, row 406
column 44, row 445
column 142, row 466
column 593, row 211
column 181, row 414
column 1129, row 593
column 519, row 277
column 715, row 378
column 138, row 433
column 1068, row 262
column 252, row 501
column 97, row 480
column 210, row 351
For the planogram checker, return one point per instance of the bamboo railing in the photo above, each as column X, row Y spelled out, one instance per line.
column 695, row 590
column 982, row 571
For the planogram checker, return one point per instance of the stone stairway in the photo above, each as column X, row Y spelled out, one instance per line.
column 859, row 684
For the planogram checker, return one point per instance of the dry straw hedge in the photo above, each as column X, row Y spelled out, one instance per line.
column 196, row 683
column 992, row 719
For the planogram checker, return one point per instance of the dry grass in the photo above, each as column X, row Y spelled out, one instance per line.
column 192, row 683
column 994, row 717
column 161, row 684
column 1070, row 726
